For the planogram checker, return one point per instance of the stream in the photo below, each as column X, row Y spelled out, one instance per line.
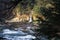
column 16, row 35
column 21, row 34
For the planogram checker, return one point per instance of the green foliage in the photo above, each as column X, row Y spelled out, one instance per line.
column 36, row 9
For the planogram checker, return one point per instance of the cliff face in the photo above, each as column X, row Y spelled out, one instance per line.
column 6, row 7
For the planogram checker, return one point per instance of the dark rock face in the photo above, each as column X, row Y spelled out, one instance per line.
column 6, row 7
column 2, row 38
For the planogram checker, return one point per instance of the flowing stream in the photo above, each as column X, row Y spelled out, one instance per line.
column 16, row 35
column 20, row 35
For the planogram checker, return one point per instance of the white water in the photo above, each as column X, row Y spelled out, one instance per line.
column 19, row 35
column 27, row 37
column 13, row 35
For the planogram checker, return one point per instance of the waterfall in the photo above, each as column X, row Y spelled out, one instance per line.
column 30, row 19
